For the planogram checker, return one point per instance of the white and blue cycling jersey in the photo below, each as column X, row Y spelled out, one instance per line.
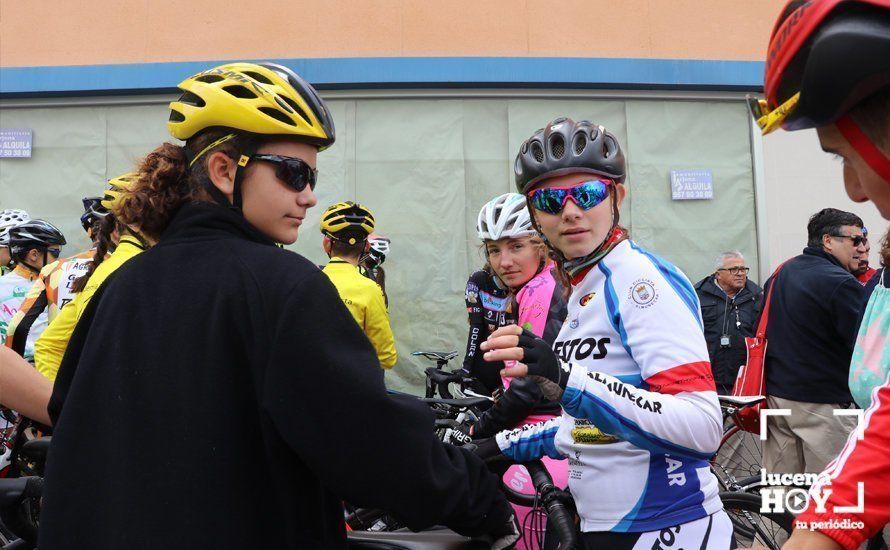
column 640, row 411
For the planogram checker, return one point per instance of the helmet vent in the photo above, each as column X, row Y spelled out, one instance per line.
column 209, row 78
column 258, row 77
column 580, row 142
column 176, row 116
column 277, row 115
column 537, row 151
column 191, row 99
column 293, row 105
column 284, row 105
column 557, row 147
column 242, row 92
column 609, row 147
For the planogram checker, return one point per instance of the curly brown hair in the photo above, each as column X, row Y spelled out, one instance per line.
column 166, row 182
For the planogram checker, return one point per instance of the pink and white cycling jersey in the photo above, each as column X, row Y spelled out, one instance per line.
column 541, row 304
column 640, row 411
column 541, row 309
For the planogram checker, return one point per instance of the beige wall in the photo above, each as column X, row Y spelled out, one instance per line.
column 67, row 32
column 800, row 180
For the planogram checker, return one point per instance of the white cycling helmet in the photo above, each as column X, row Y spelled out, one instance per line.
column 380, row 247
column 8, row 219
column 505, row 216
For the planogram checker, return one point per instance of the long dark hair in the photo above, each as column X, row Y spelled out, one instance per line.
column 102, row 232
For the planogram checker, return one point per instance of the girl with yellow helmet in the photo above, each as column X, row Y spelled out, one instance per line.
column 217, row 393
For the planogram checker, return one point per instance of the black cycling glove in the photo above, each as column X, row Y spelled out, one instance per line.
column 544, row 367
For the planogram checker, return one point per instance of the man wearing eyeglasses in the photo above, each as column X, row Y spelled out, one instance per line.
column 812, row 326
column 730, row 305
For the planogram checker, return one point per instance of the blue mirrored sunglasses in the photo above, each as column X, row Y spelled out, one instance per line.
column 586, row 195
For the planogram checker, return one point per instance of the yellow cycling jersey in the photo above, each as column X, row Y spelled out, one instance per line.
column 50, row 347
column 364, row 299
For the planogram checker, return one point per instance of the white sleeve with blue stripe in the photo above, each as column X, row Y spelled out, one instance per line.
column 531, row 442
column 655, row 312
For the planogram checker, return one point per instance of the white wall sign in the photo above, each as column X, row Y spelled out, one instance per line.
column 691, row 185
column 15, row 142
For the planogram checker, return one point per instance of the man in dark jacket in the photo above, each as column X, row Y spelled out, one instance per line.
column 730, row 305
column 812, row 325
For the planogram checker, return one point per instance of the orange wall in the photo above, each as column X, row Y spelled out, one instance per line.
column 63, row 32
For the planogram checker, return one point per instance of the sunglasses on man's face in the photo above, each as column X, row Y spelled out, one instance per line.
column 858, row 240
column 54, row 252
column 294, row 172
column 586, row 195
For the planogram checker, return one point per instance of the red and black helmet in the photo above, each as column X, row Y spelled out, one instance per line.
column 824, row 57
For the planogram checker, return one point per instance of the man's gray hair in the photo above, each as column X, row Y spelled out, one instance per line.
column 718, row 263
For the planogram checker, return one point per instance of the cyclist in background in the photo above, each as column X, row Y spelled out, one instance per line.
column 489, row 306
column 346, row 227
column 110, row 235
column 32, row 245
column 8, row 219
column 371, row 262
column 217, row 333
column 629, row 367
column 520, row 260
column 54, row 286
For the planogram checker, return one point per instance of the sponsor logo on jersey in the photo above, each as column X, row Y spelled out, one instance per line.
column 493, row 302
column 585, row 433
column 574, row 323
column 472, row 297
column 586, row 299
column 643, row 293
column 626, row 391
column 580, row 349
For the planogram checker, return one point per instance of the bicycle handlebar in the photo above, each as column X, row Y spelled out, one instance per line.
column 551, row 496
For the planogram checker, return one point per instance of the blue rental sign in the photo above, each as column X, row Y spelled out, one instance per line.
column 691, row 185
column 15, row 142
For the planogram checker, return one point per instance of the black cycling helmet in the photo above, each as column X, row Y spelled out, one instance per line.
column 34, row 234
column 566, row 146
column 92, row 211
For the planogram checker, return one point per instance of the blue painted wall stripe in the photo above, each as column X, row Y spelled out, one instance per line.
column 395, row 71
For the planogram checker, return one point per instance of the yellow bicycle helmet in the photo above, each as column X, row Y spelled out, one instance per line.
column 256, row 98
column 117, row 188
column 260, row 98
column 347, row 222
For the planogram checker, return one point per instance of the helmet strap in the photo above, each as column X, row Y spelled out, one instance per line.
column 869, row 152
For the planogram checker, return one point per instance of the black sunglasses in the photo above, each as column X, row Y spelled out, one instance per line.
column 858, row 240
column 294, row 172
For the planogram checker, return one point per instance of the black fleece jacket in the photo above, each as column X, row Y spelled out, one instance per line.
column 218, row 394
column 813, row 320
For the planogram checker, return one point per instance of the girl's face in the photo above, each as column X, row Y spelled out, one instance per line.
column 514, row 261
column 573, row 231
column 268, row 203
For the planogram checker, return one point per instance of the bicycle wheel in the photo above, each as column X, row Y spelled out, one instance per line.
column 753, row 527
column 739, row 454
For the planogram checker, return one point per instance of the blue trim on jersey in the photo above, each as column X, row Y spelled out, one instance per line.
column 678, row 282
column 534, row 446
column 663, row 505
column 606, row 418
column 634, row 380
column 612, row 308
